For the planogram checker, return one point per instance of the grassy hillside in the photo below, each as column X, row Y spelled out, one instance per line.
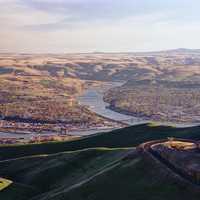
column 137, row 179
column 86, row 170
column 50, row 174
column 127, row 137
column 92, row 174
column 17, row 191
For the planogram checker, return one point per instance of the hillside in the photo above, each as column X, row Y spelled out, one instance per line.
column 60, row 171
column 158, row 100
column 122, row 138
column 42, row 103
column 38, row 91
column 136, row 178
column 179, row 64
column 32, row 85
column 45, row 173
column 93, row 174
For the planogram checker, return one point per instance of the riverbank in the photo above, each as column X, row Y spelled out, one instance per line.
column 149, row 120
column 163, row 102
column 92, row 98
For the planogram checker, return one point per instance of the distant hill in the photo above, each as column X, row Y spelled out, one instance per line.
column 149, row 53
column 183, row 51
column 178, row 51
column 177, row 64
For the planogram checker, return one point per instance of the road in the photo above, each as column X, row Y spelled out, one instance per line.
column 147, row 148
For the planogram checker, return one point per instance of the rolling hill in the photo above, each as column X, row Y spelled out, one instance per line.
column 43, row 86
column 104, row 166
column 121, row 138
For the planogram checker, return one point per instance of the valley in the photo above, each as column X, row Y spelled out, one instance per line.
column 158, row 100
column 64, row 93
column 99, row 100
column 86, row 126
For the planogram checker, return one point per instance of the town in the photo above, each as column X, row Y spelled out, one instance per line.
column 37, row 138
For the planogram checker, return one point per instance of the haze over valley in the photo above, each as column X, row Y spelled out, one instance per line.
column 158, row 86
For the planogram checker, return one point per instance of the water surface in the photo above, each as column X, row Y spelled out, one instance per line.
column 93, row 99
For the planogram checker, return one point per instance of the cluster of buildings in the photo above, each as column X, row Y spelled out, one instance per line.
column 22, row 127
column 10, row 140
column 50, row 138
column 36, row 139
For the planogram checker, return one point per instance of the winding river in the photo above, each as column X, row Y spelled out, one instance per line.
column 93, row 99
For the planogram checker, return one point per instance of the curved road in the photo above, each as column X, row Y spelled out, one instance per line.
column 147, row 148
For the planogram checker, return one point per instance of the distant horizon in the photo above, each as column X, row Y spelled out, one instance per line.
column 108, row 52
column 73, row 26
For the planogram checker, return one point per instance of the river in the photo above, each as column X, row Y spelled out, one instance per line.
column 93, row 99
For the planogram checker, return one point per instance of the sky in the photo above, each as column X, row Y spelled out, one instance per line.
column 69, row 26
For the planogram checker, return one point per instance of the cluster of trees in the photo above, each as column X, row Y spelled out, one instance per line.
column 160, row 103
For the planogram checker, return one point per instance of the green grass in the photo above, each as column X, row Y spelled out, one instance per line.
column 100, row 163
column 58, row 171
column 51, row 177
column 136, row 179
column 127, row 137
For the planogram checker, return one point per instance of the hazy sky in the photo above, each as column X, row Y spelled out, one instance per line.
column 61, row 26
